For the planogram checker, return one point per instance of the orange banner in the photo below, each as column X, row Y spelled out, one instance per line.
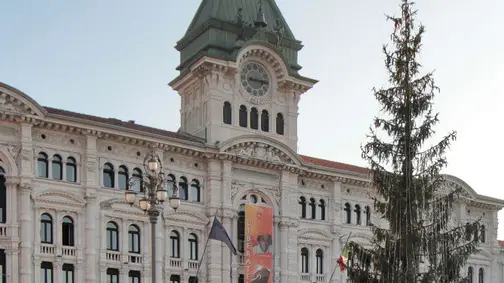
column 258, row 261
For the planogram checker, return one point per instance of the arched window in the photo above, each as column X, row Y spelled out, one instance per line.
column 322, row 209
column 108, row 175
column 482, row 233
column 305, row 264
column 57, row 167
column 470, row 274
column 279, row 124
column 265, row 121
column 367, row 211
column 175, row 244
column 71, row 170
column 67, row 228
column 313, row 209
column 357, row 214
column 112, row 236
column 302, row 207
column 481, row 275
column 134, row 239
column 319, row 255
column 170, row 184
column 348, row 213
column 137, row 180
column 226, row 113
column 3, row 197
column 241, row 228
column 193, row 247
column 468, row 232
column 183, row 188
column 194, row 194
column 254, row 118
column 123, row 177
column 243, row 116
column 42, row 165
column 46, row 229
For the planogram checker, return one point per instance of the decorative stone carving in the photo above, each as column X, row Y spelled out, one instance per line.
column 315, row 235
column 9, row 131
column 59, row 197
column 11, row 105
column 91, row 166
column 188, row 217
column 235, row 188
column 260, row 151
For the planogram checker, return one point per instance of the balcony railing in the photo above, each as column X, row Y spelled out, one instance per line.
column 113, row 256
column 68, row 251
column 3, row 230
column 320, row 278
column 135, row 258
column 193, row 265
column 47, row 249
column 305, row 277
column 175, row 262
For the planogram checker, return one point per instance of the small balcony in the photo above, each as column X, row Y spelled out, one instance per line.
column 135, row 258
column 47, row 249
column 320, row 278
column 113, row 256
column 68, row 251
column 175, row 262
column 3, row 230
column 193, row 265
column 305, row 277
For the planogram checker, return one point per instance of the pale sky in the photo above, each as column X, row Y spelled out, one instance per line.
column 115, row 58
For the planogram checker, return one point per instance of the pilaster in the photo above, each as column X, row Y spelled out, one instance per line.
column 26, row 158
column 26, row 221
column 92, row 211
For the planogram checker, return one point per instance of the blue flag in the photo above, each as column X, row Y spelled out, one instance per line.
column 218, row 232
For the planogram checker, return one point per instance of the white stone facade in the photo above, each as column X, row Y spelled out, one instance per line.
column 70, row 219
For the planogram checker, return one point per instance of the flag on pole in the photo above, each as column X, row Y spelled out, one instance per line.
column 219, row 233
column 343, row 259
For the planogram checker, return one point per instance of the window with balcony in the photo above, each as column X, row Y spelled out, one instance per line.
column 193, row 247
column 134, row 276
column 42, row 165
column 175, row 244
column 108, row 175
column 305, row 263
column 68, row 273
column 46, row 272
column 67, row 228
column 112, row 236
column 112, row 275
column 57, row 167
column 46, row 229
column 134, row 239
column 71, row 170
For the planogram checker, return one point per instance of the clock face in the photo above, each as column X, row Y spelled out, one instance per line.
column 255, row 79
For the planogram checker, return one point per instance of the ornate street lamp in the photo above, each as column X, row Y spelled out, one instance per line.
column 152, row 184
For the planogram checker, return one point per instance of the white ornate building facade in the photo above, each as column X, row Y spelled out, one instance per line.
column 63, row 174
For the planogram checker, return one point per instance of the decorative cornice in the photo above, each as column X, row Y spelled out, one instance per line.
column 60, row 198
column 314, row 234
column 185, row 216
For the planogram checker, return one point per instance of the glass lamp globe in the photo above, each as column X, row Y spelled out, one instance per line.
column 144, row 204
column 153, row 164
column 130, row 196
column 161, row 195
column 174, row 203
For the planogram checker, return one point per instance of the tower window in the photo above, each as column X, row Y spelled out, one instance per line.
column 265, row 121
column 57, row 167
column 243, row 116
column 226, row 113
column 280, row 124
column 254, row 118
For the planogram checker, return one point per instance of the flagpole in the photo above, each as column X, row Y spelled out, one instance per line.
column 334, row 271
column 204, row 249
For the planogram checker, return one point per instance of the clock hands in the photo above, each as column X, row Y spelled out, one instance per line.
column 263, row 82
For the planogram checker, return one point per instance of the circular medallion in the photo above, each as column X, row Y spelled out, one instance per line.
column 255, row 79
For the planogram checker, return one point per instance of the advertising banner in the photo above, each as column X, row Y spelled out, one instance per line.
column 258, row 261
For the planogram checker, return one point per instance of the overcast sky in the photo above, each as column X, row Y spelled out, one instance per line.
column 114, row 59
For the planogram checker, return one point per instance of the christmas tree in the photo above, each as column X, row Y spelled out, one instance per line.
column 421, row 241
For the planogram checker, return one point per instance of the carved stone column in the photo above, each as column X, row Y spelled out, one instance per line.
column 12, row 259
column 213, row 256
column 26, row 222
column 292, row 250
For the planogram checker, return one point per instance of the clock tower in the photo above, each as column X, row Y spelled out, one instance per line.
column 239, row 74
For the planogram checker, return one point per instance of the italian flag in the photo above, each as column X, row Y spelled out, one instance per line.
column 343, row 259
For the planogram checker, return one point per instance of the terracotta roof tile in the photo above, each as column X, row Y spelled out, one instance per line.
column 128, row 125
column 334, row 164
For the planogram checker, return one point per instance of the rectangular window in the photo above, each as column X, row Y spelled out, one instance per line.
column 46, row 272
column 112, row 275
column 134, row 276
column 68, row 273
column 241, row 279
column 174, row 279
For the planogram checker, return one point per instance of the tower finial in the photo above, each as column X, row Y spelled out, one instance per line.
column 260, row 21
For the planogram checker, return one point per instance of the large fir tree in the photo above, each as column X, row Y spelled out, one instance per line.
column 421, row 242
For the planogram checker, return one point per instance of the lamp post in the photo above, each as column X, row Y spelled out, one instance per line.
column 152, row 184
